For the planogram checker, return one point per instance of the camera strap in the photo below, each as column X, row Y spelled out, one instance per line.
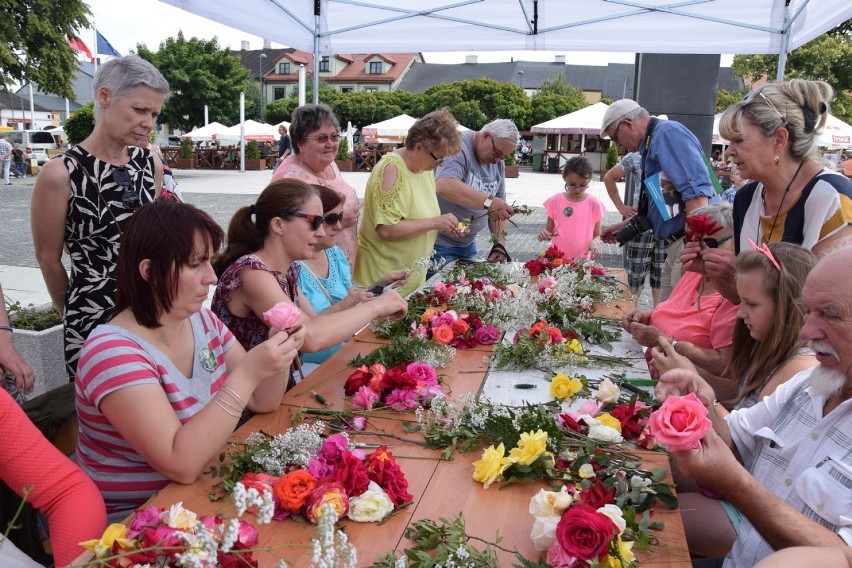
column 644, row 199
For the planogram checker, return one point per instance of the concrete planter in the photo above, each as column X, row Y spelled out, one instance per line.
column 45, row 352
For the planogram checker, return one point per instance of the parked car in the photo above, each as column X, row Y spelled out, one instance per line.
column 39, row 141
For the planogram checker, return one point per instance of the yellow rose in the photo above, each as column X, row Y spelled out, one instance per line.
column 180, row 518
column 575, row 346
column 625, row 549
column 103, row 546
column 563, row 386
column 610, row 420
column 530, row 447
column 492, row 465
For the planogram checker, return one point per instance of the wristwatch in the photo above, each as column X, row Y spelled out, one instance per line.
column 487, row 203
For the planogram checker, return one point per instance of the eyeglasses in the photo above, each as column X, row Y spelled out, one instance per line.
column 497, row 154
column 572, row 185
column 333, row 218
column 122, row 177
column 438, row 161
column 324, row 138
column 614, row 136
column 759, row 92
column 715, row 243
column 316, row 221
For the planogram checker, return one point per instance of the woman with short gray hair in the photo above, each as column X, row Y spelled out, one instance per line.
column 83, row 200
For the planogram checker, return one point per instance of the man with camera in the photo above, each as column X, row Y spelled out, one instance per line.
column 666, row 148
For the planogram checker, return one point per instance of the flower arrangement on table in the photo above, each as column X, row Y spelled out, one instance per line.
column 300, row 471
column 404, row 387
column 404, row 349
column 175, row 537
column 552, row 259
column 540, row 346
column 460, row 331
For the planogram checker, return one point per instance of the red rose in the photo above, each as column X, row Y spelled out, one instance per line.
column 554, row 252
column 584, row 533
column 351, row 473
column 700, row 226
column 534, row 267
column 567, row 421
column 597, row 495
column 399, row 378
column 463, row 341
column 632, row 421
column 356, row 380
column 236, row 559
column 384, row 470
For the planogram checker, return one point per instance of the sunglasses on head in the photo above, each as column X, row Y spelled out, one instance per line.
column 715, row 243
column 333, row 218
column 122, row 177
column 315, row 220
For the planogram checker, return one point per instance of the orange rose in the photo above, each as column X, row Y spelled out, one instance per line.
column 557, row 262
column 293, row 488
column 428, row 314
column 442, row 334
column 538, row 326
column 460, row 327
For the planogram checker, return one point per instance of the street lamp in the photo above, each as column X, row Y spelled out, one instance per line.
column 260, row 64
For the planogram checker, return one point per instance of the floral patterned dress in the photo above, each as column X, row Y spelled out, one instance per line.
column 251, row 331
column 93, row 226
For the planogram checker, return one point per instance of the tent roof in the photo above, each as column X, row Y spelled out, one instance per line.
column 396, row 126
column 254, row 130
column 207, row 132
column 647, row 26
column 584, row 121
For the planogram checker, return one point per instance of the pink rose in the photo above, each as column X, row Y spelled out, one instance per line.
column 680, row 423
column 146, row 518
column 402, row 399
column 546, row 284
column 558, row 558
column 422, row 373
column 365, row 398
column 283, row 316
column 359, row 423
column 591, row 407
column 487, row 335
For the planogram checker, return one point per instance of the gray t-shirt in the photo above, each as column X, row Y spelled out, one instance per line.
column 490, row 179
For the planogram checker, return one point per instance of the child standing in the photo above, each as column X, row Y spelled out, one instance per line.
column 573, row 216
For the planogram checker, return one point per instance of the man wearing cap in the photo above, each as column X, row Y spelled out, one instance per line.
column 666, row 148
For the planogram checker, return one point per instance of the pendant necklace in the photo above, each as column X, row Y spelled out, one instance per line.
column 780, row 205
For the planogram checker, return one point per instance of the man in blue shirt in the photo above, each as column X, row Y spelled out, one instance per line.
column 669, row 149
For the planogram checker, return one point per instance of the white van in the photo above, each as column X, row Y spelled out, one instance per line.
column 40, row 141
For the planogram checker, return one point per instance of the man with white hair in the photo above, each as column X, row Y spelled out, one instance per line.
column 794, row 481
column 472, row 183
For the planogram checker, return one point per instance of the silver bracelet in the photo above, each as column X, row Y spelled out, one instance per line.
column 221, row 405
column 230, row 392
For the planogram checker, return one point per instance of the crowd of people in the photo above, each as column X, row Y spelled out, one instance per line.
column 755, row 316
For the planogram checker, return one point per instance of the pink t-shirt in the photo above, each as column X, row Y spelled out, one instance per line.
column 711, row 327
column 574, row 222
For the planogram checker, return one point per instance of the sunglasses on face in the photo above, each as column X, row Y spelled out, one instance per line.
column 715, row 243
column 122, row 177
column 333, row 218
column 316, row 221
column 324, row 138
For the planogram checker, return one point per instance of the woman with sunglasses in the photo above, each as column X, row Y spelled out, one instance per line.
column 83, row 201
column 258, row 269
column 766, row 352
column 324, row 279
column 401, row 213
column 696, row 317
column 792, row 197
column 314, row 139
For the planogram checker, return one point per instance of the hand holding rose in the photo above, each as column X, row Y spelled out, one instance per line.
column 283, row 316
column 680, row 423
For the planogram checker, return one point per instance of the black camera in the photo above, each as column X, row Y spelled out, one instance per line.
column 635, row 227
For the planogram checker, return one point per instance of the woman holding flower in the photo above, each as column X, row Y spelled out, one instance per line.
column 161, row 386
column 401, row 213
column 257, row 271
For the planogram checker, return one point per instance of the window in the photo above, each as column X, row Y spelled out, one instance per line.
column 371, row 89
column 279, row 93
column 284, row 68
column 347, row 89
column 375, row 67
column 324, row 64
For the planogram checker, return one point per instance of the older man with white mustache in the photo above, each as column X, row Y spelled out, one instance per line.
column 786, row 463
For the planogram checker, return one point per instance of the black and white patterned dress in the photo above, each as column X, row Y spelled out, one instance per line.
column 96, row 218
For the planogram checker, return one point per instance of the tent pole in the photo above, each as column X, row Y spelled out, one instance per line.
column 785, row 43
column 316, row 49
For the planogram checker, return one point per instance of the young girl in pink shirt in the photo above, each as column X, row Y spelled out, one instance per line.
column 573, row 216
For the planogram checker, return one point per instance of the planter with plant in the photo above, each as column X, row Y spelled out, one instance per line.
column 187, row 158
column 37, row 333
column 254, row 161
column 343, row 159
column 510, row 161
column 611, row 160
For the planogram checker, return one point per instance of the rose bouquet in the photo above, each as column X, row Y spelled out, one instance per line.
column 459, row 331
column 175, row 537
column 404, row 387
column 548, row 260
column 540, row 346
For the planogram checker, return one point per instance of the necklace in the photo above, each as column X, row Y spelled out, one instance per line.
column 780, row 205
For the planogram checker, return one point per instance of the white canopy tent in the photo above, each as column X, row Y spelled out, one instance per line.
column 254, row 130
column 836, row 134
column 388, row 131
column 585, row 121
column 209, row 132
column 642, row 26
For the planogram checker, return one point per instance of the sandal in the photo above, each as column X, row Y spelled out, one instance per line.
column 501, row 250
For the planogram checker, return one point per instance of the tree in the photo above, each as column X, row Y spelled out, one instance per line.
column 34, row 45
column 80, row 124
column 544, row 107
column 724, row 98
column 364, row 108
column 477, row 102
column 199, row 73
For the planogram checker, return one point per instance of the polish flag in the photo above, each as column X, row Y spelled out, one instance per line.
column 77, row 44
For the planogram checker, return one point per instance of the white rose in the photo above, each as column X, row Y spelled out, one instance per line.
column 614, row 513
column 371, row 506
column 550, row 503
column 603, row 433
column 586, row 471
column 543, row 533
column 608, row 392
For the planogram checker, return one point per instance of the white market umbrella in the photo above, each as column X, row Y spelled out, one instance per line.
column 835, row 134
column 584, row 121
column 391, row 130
column 205, row 133
column 254, row 130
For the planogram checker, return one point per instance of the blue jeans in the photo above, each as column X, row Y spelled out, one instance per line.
column 441, row 255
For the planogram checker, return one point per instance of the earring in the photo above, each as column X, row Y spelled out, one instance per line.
column 777, row 159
